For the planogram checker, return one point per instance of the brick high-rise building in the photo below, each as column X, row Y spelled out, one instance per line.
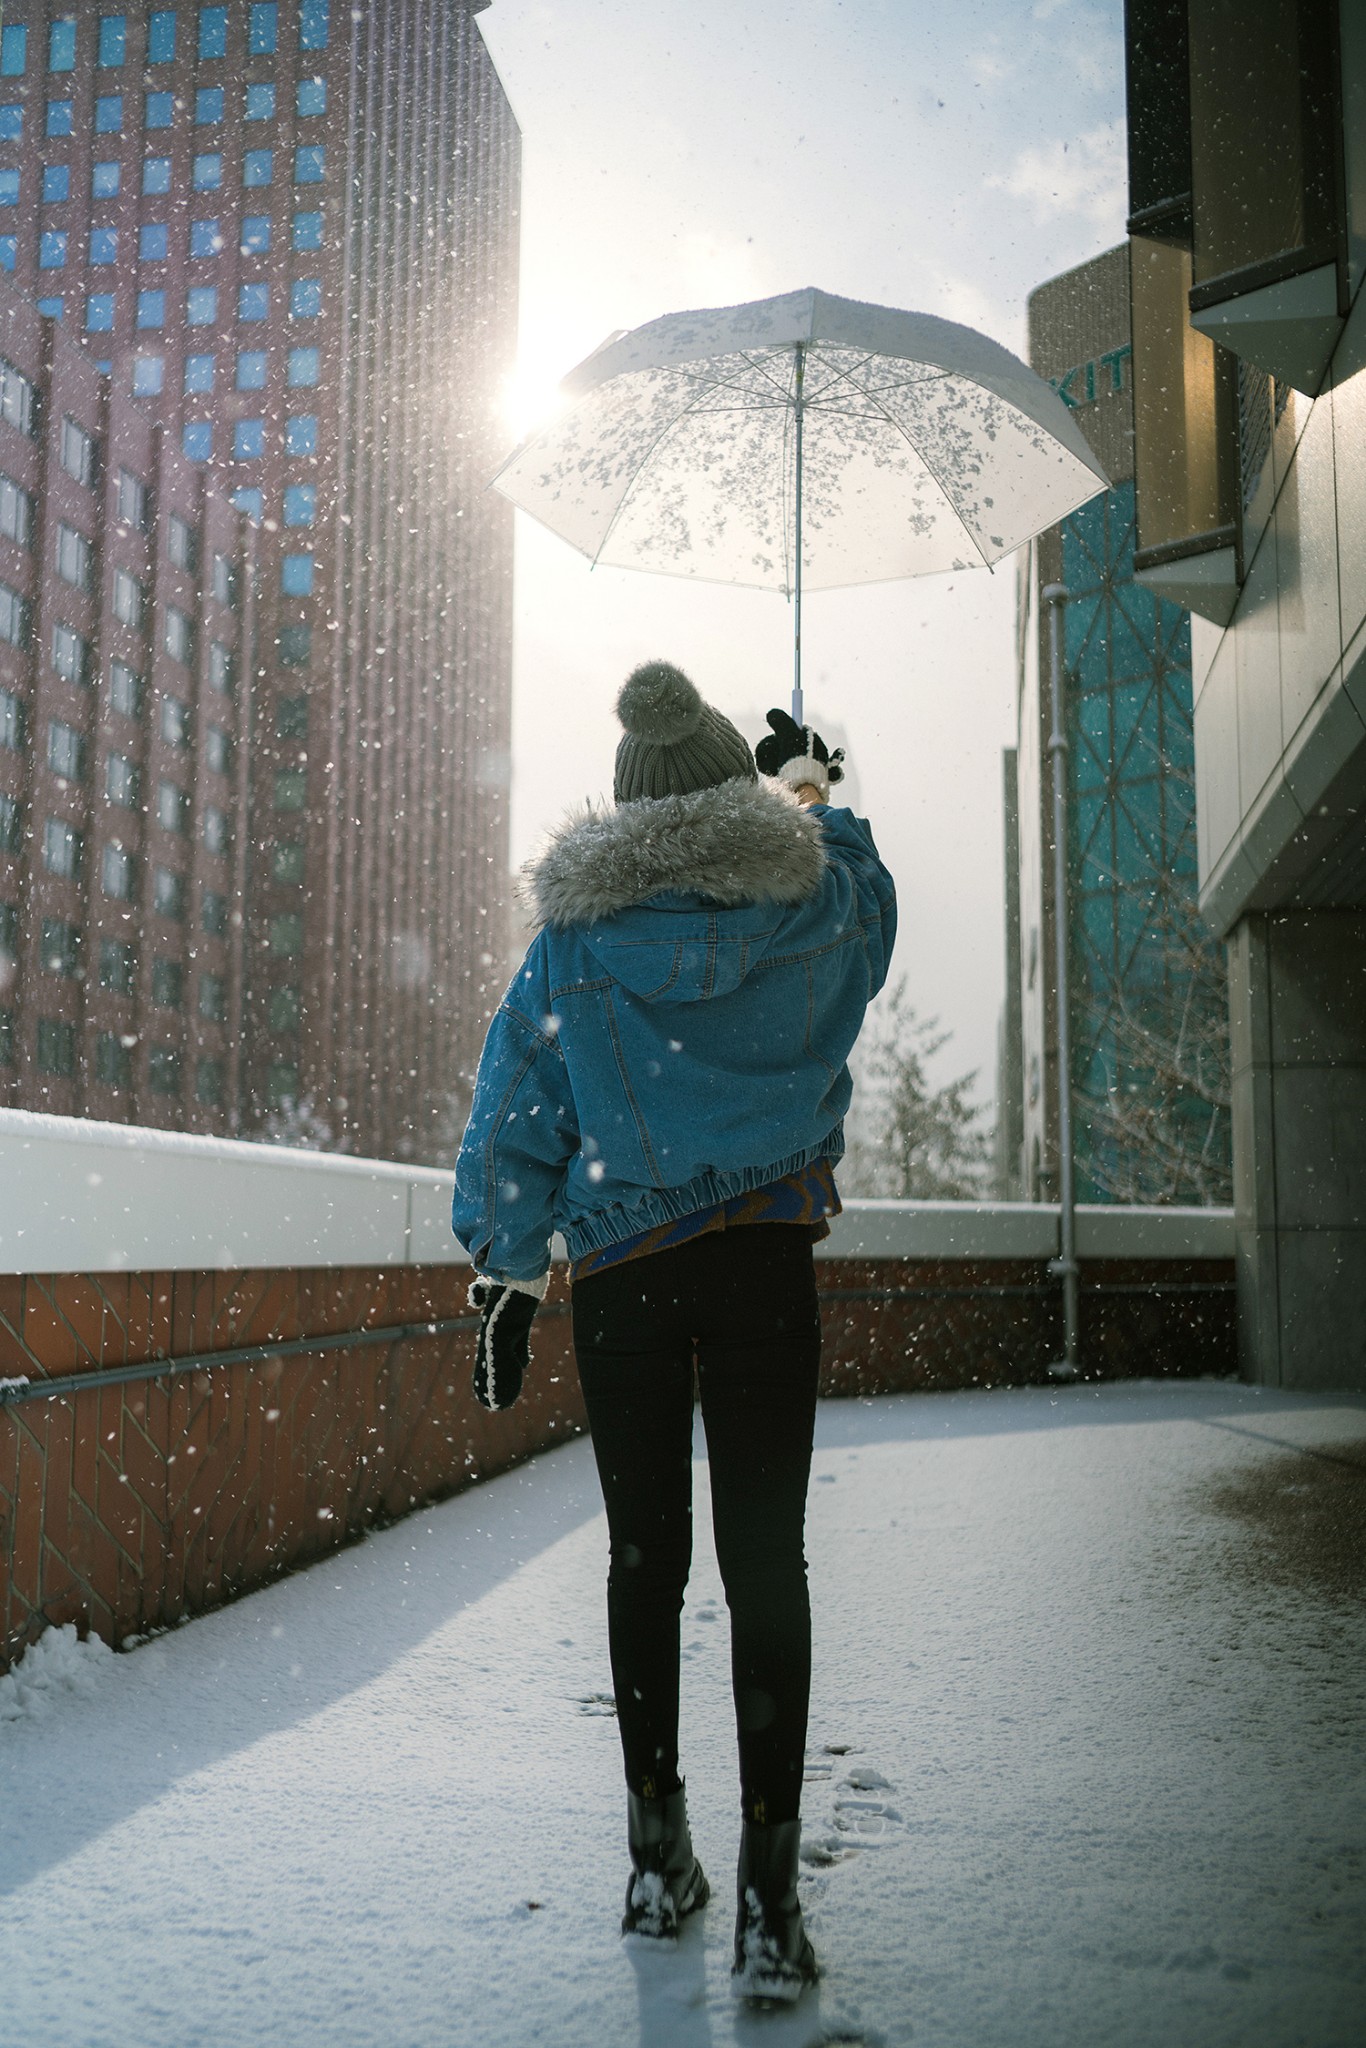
column 287, row 231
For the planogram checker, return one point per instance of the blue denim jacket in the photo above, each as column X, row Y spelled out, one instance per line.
column 680, row 1029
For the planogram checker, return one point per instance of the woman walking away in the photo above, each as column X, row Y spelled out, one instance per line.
column 665, row 1083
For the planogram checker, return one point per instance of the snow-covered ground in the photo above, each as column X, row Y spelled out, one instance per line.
column 1086, row 1766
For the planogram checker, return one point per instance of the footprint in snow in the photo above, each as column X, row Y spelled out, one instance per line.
column 597, row 1703
column 857, row 1818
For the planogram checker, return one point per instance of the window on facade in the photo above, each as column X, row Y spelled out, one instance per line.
column 208, row 106
column 295, row 646
column 282, row 1084
column 9, row 188
column 182, row 543
column 221, row 667
column 213, row 998
column 300, row 504
column 287, row 861
column 1184, row 401
column 153, row 241
column 129, row 600
column 15, row 618
column 285, row 1008
column 213, row 32
column 224, row 582
column 16, row 512
column 249, row 440
column 65, row 751
column 168, row 893
column 11, row 841
column 251, row 370
column 217, row 751
column 156, row 176
column 196, row 440
column 206, row 239
column 208, row 1081
column 80, row 453
column 61, row 116
column 63, row 849
column 104, row 183
column 118, row 966
column 161, row 35
column 305, row 298
column 259, row 103
column 12, row 121
column 11, row 722
column 301, row 369
column 250, row 501
column 9, row 251
column 261, row 28
column 199, row 373
column 113, row 40
column 52, row 249
column 148, row 375
column 310, row 163
column 109, row 114
column 132, row 501
column 168, row 984
column 253, row 301
column 201, row 305
column 151, row 309
column 178, row 638
column 311, row 97
column 287, row 933
column 113, row 1061
column 51, row 309
column 258, row 168
column 60, row 947
column 163, row 1064
column 56, row 184
column 308, row 231
column 121, row 781
column 13, row 50
column 214, row 913
column 70, row 655
column 56, row 1046
column 256, row 234
column 61, row 44
column 75, row 557
column 291, row 718
column 175, row 721
column 125, row 690
column 313, row 23
column 216, row 836
column 206, row 172
column 291, row 788
column 173, row 807
column 296, row 576
column 99, row 312
column 158, row 110
column 117, row 872
column 18, row 400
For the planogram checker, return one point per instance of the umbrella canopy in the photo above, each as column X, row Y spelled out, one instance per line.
column 901, row 443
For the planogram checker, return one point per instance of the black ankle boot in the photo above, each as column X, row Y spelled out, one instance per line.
column 667, row 1881
column 773, row 1958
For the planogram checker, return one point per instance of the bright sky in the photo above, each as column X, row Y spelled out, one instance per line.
column 680, row 154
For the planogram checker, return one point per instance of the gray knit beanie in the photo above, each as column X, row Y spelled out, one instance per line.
column 673, row 742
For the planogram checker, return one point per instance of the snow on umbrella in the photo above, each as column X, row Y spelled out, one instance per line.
column 802, row 439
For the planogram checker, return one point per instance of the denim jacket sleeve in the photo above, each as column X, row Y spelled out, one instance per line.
column 849, row 843
column 520, row 1137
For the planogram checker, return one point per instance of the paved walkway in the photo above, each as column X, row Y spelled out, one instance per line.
column 1087, row 1762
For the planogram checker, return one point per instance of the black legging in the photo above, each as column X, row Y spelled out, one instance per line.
column 743, row 1301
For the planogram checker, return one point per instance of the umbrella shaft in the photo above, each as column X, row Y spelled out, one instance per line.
column 797, row 712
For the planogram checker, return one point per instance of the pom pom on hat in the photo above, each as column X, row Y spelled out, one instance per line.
column 659, row 704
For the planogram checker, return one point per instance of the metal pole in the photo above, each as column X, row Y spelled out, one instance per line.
column 797, row 712
column 1064, row 1267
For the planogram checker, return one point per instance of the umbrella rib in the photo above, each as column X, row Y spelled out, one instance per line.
column 636, row 475
column 920, row 456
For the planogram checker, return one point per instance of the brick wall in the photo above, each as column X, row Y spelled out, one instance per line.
column 126, row 1507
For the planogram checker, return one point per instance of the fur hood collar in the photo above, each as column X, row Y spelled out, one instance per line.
column 736, row 843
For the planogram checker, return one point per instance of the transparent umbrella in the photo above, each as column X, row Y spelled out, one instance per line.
column 805, row 439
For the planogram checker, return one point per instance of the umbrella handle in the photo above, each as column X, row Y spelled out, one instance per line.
column 798, row 717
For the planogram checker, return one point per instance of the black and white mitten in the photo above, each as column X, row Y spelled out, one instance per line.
column 503, row 1347
column 796, row 754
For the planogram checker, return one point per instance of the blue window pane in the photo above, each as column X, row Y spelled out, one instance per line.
column 305, row 298
column 104, row 245
column 213, row 31
column 99, row 312
column 148, row 372
column 156, row 175
column 251, row 370
column 302, row 369
column 51, row 309
column 153, row 242
column 260, row 103
column 258, row 167
column 253, row 301
column 52, row 250
column 201, row 305
column 61, row 45
column 308, row 231
column 206, row 174
column 296, row 576
column 152, row 309
column 105, row 369
column 199, row 373
column 301, row 434
column 262, row 29
column 60, row 114
column 255, row 234
column 313, row 24
column 12, row 122
column 161, row 35
column 56, row 184
column 109, row 114
column 113, row 38
column 9, row 251
column 104, row 181
column 158, row 110
column 9, row 188
column 249, row 500
column 206, row 238
column 301, row 502
column 310, row 161
column 311, row 96
column 208, row 106
column 13, row 51
column 196, row 439
column 249, row 440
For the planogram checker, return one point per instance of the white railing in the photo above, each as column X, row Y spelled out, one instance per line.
column 83, row 1197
